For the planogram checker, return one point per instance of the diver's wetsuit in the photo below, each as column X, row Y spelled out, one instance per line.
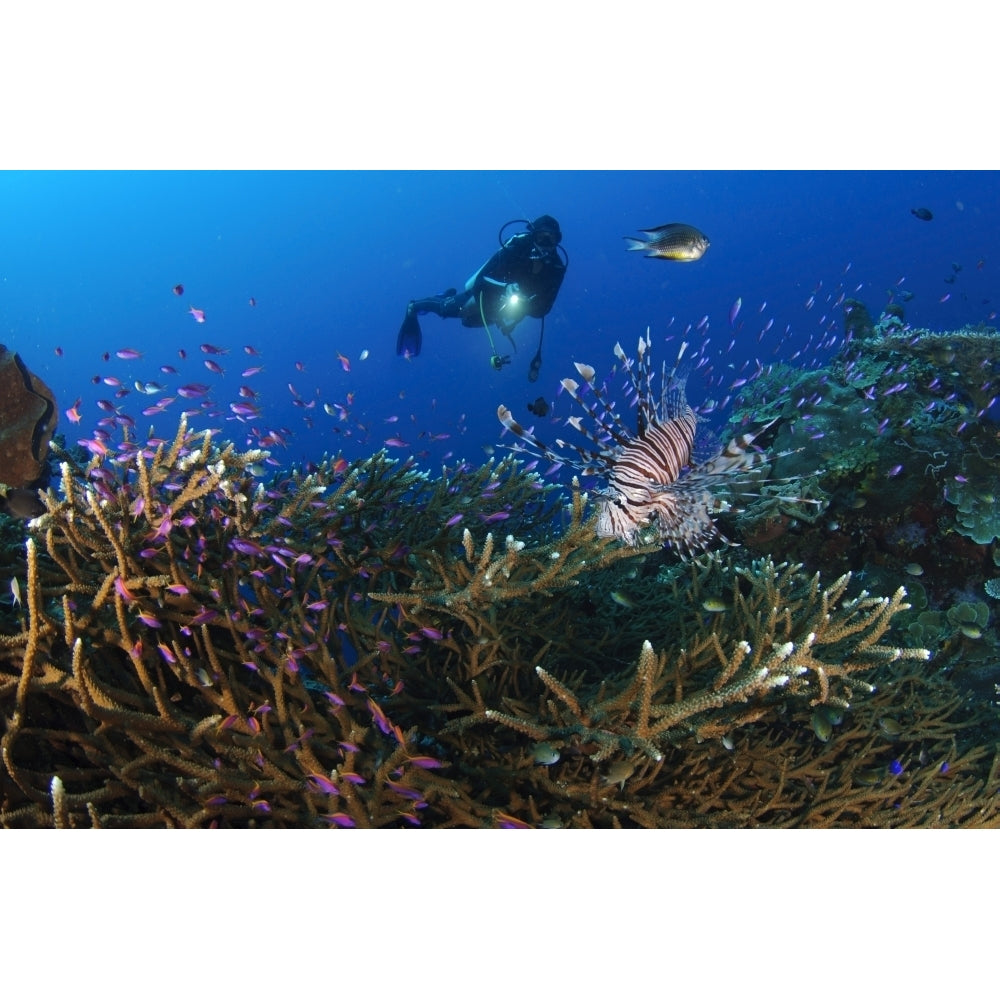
column 538, row 277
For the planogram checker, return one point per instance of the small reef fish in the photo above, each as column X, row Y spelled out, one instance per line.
column 545, row 754
column 539, row 407
column 178, row 289
column 198, row 314
column 192, row 390
column 673, row 241
column 734, row 311
column 922, row 213
column 619, row 773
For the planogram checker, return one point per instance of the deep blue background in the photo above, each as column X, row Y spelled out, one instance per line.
column 88, row 261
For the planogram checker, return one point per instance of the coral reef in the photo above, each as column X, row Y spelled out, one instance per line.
column 903, row 425
column 354, row 647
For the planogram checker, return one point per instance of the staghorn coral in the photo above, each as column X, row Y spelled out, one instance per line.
column 465, row 586
column 185, row 665
column 198, row 648
column 796, row 639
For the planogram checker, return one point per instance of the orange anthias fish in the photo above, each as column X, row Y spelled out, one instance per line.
column 344, row 362
column 198, row 314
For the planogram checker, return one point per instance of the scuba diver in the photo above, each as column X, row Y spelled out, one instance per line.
column 521, row 279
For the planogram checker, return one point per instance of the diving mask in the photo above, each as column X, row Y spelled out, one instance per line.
column 545, row 240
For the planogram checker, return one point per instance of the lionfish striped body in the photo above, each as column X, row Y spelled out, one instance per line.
column 659, row 478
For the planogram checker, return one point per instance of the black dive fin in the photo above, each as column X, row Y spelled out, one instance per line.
column 408, row 341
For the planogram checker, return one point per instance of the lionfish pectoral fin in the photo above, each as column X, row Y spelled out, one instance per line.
column 505, row 417
column 541, row 449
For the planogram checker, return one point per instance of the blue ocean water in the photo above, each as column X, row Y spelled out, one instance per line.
column 89, row 260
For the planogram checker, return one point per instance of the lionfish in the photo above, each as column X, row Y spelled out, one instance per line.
column 658, row 479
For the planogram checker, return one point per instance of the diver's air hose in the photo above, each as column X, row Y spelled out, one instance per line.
column 486, row 326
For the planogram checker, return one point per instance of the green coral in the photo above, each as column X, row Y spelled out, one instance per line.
column 928, row 629
column 978, row 511
column 932, row 629
column 969, row 613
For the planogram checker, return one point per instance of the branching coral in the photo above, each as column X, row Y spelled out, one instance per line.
column 181, row 658
column 785, row 635
column 484, row 578
column 353, row 648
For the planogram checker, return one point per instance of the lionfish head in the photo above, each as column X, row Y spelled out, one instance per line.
column 657, row 477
